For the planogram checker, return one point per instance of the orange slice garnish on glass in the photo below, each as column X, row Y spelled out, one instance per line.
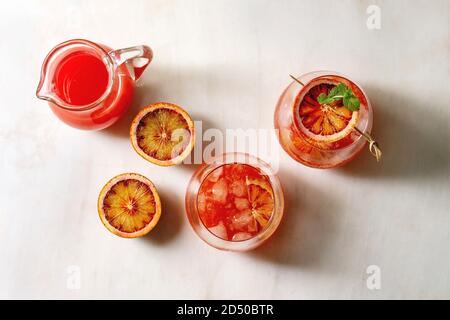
column 260, row 197
column 129, row 205
column 163, row 133
column 323, row 123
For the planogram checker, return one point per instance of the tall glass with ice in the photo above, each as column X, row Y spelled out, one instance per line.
column 235, row 202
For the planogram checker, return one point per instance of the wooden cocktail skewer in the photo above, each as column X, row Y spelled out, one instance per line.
column 374, row 148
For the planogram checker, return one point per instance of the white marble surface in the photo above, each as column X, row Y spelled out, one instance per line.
column 227, row 62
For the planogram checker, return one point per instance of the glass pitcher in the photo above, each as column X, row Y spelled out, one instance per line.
column 88, row 85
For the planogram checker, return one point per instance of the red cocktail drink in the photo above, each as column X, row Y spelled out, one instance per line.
column 234, row 203
column 322, row 135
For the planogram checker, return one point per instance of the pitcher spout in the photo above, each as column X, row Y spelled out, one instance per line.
column 45, row 89
column 43, row 92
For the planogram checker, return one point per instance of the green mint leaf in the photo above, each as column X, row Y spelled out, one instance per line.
column 333, row 92
column 322, row 98
column 346, row 96
column 329, row 100
column 340, row 91
column 345, row 100
column 352, row 103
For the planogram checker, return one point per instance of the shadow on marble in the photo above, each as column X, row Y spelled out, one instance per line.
column 177, row 86
column 308, row 229
column 171, row 219
column 411, row 150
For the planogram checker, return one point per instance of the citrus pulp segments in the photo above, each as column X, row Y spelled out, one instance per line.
column 129, row 205
column 322, row 124
column 163, row 133
column 260, row 196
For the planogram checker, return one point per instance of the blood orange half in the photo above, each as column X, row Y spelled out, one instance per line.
column 129, row 205
column 163, row 133
column 325, row 126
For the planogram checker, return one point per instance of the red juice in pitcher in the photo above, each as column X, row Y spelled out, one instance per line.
column 81, row 78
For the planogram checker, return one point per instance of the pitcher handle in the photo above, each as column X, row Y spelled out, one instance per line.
column 136, row 59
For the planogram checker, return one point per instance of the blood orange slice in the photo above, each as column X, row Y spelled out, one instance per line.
column 323, row 124
column 129, row 205
column 260, row 197
column 163, row 133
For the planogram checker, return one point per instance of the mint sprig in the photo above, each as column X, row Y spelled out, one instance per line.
column 340, row 91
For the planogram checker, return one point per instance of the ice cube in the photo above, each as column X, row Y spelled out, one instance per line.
column 215, row 175
column 242, row 219
column 252, row 226
column 237, row 169
column 238, row 188
column 219, row 230
column 240, row 236
column 220, row 191
column 241, row 203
